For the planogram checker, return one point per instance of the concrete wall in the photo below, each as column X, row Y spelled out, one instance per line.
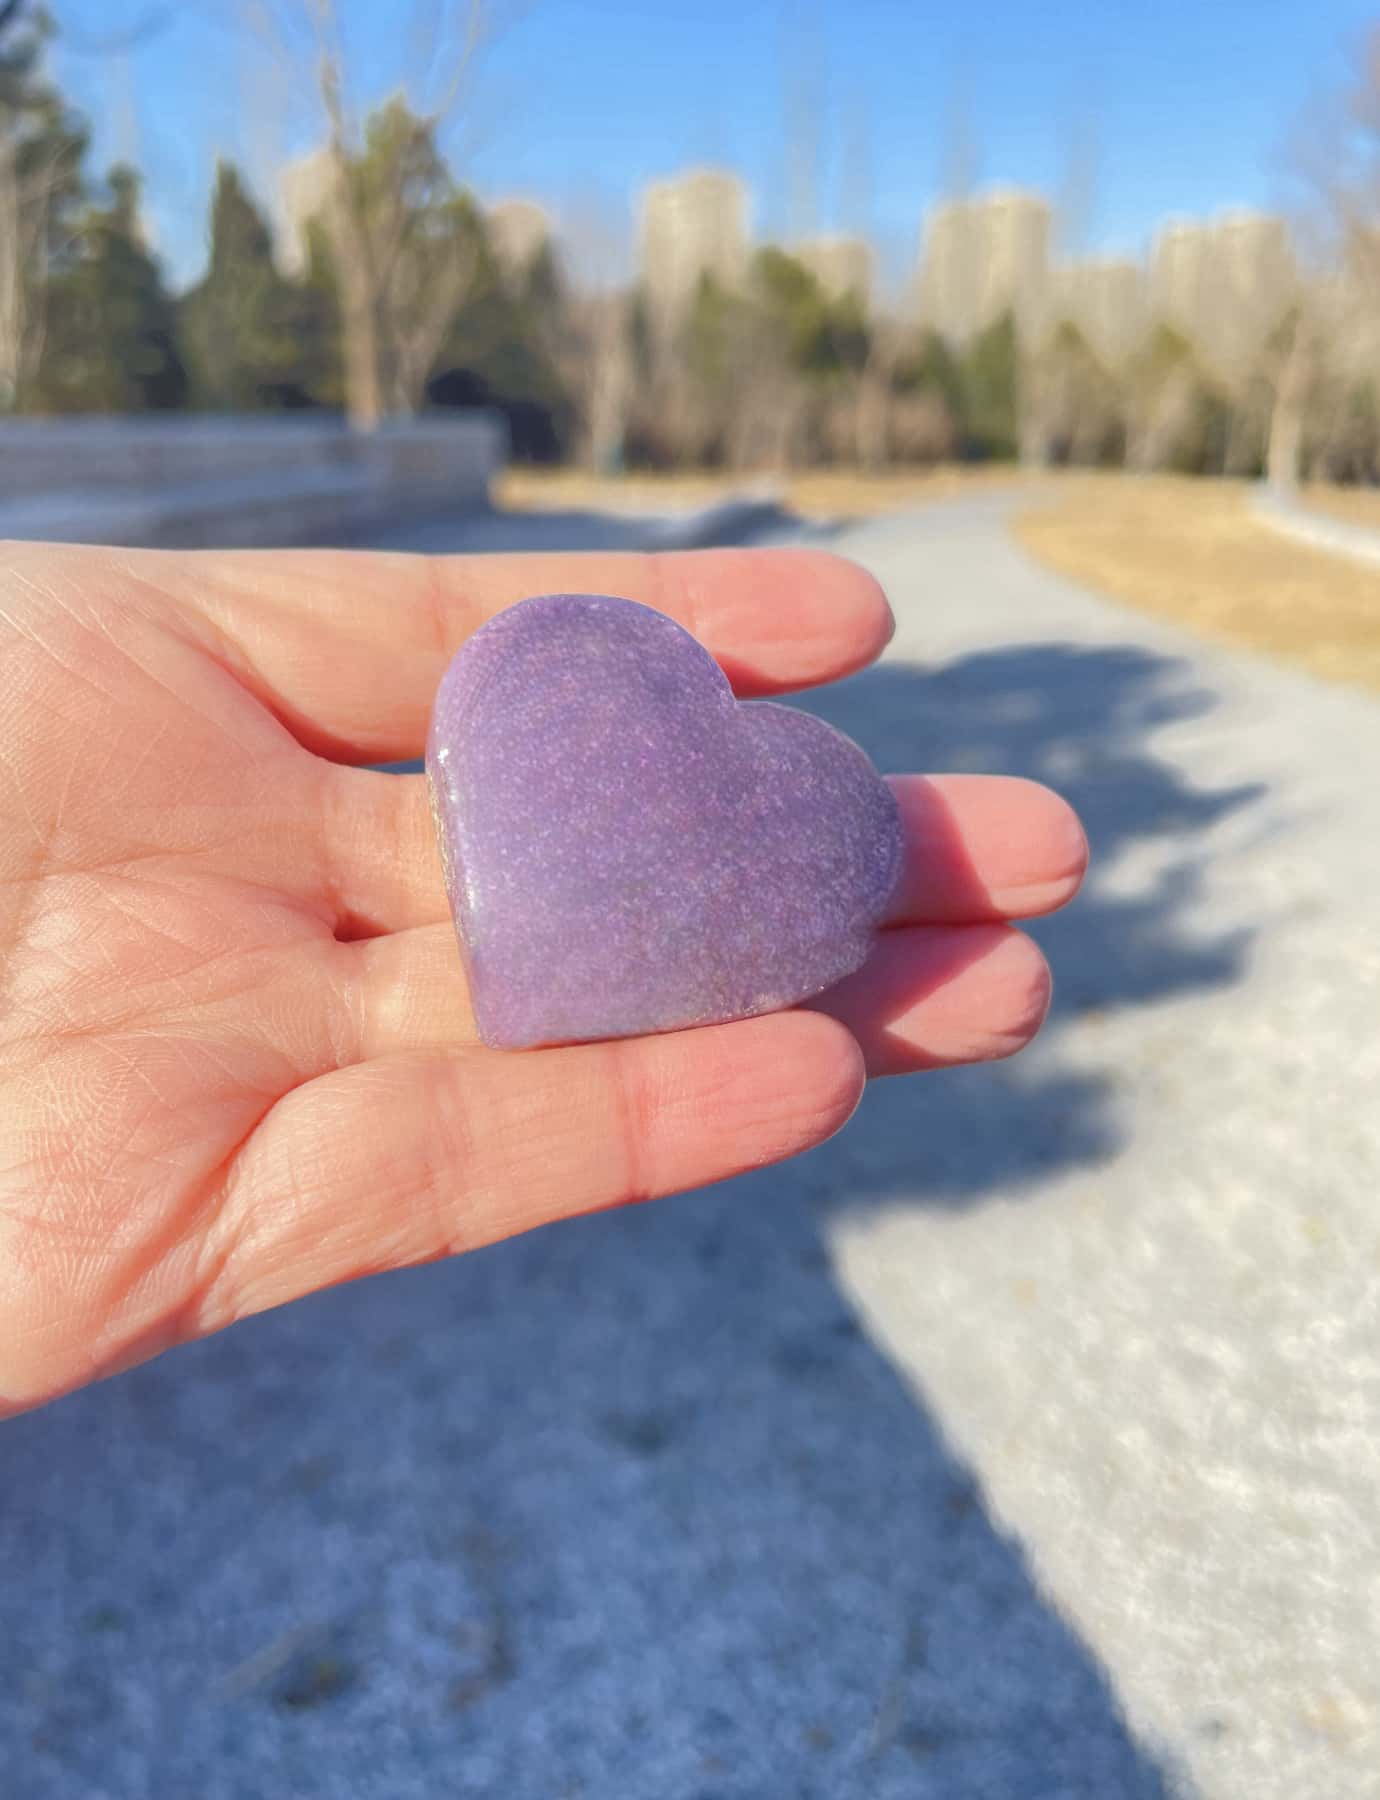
column 236, row 480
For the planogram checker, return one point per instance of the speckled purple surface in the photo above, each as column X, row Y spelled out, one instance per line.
column 626, row 847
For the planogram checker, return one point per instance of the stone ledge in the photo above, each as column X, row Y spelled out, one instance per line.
column 235, row 481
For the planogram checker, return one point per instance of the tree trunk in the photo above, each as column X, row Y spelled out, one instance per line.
column 785, row 418
column 870, row 424
column 23, row 271
column 11, row 275
column 873, row 408
column 1285, row 450
column 363, row 387
column 609, row 392
column 357, row 278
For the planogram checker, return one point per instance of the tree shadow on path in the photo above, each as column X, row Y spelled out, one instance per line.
column 630, row 1507
column 1078, row 717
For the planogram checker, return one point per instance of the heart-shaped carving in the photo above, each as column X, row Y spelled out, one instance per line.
column 627, row 848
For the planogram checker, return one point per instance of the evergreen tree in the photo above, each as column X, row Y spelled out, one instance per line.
column 405, row 247
column 766, row 365
column 991, row 391
column 931, row 368
column 1071, row 410
column 822, row 336
column 112, row 336
column 253, row 338
column 1166, row 399
column 321, row 364
column 41, row 148
column 503, row 350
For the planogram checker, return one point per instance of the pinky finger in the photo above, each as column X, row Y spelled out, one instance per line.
column 416, row 1156
column 936, row 995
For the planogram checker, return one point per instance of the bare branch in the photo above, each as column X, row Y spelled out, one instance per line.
column 423, row 322
column 478, row 33
column 399, row 286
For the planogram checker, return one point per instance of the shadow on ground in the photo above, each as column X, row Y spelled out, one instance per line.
column 630, row 1507
column 1080, row 718
column 580, row 528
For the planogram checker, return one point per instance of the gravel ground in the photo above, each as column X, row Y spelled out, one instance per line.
column 1020, row 1443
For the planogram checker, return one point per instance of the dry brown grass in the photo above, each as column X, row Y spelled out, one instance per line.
column 533, row 490
column 815, row 494
column 825, row 493
column 1189, row 550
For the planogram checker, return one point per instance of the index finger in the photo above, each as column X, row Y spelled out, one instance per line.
column 347, row 647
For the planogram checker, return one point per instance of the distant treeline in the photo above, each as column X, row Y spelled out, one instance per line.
column 403, row 301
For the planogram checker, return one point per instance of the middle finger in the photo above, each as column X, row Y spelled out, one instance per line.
column 976, row 848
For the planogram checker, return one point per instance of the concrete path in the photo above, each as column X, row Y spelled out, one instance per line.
column 1286, row 513
column 1022, row 1443
column 1135, row 1276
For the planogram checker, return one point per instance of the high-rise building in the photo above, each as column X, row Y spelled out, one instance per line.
column 518, row 230
column 1107, row 299
column 1225, row 283
column 947, row 295
column 982, row 258
column 1180, row 274
column 1341, row 306
column 692, row 225
column 1344, row 305
column 1259, row 277
column 1013, row 259
column 841, row 265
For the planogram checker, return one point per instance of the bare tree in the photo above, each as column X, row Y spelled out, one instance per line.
column 1071, row 410
column 1161, row 388
column 1293, row 376
column 403, row 260
column 803, row 120
column 588, row 335
column 39, row 155
column 1337, row 155
column 1062, row 402
column 874, row 387
column 24, row 201
column 876, row 392
column 599, row 359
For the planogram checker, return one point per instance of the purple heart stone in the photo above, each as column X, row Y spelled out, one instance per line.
column 627, row 848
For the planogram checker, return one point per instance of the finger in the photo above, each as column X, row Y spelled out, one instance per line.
column 934, row 995
column 928, row 995
column 976, row 847
column 411, row 992
column 413, row 1157
column 347, row 648
column 984, row 847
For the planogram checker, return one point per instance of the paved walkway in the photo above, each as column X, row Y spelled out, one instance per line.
column 1285, row 512
column 1135, row 1276
column 1022, row 1443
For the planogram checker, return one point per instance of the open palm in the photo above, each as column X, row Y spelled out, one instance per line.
column 236, row 1056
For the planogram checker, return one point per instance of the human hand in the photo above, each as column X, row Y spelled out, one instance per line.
column 236, row 1058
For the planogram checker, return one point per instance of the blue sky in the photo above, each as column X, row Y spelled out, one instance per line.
column 1184, row 106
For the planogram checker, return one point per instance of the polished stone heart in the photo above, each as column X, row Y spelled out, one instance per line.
column 628, row 848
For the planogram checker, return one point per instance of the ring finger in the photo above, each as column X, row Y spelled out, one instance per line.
column 929, row 996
